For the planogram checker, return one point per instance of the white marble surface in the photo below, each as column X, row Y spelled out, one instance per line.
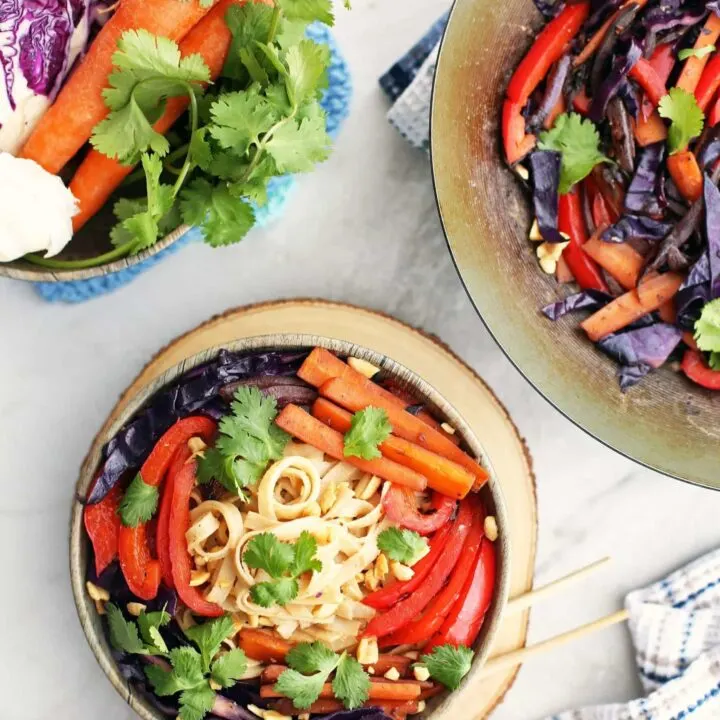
column 362, row 229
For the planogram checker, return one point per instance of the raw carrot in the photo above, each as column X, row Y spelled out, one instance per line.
column 379, row 690
column 356, row 396
column 79, row 107
column 667, row 312
column 693, row 69
column 620, row 260
column 443, row 475
column 305, row 427
column 263, row 645
column 631, row 306
column 99, row 176
column 563, row 274
column 649, row 130
column 686, row 174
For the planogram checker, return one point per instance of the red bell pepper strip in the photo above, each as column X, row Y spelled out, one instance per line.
column 662, row 62
column 408, row 609
column 571, row 222
column 162, row 537
column 399, row 505
column 709, row 83
column 581, row 102
column 179, row 524
column 695, row 367
column 422, row 629
column 387, row 597
column 714, row 117
column 549, row 46
column 466, row 618
column 139, row 569
column 647, row 77
column 516, row 142
column 102, row 524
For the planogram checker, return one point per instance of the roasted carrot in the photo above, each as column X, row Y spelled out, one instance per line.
column 631, row 306
column 620, row 260
column 557, row 110
column 79, row 107
column 98, row 175
column 649, row 130
column 686, row 174
column 693, row 69
column 649, row 80
column 263, row 645
column 305, row 427
column 667, row 312
column 379, row 690
column 443, row 475
column 563, row 274
column 356, row 396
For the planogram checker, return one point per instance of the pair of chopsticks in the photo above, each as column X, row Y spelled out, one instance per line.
column 523, row 602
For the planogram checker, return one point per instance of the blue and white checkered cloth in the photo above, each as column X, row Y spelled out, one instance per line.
column 675, row 627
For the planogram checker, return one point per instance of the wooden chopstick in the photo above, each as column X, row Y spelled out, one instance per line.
column 522, row 602
column 517, row 657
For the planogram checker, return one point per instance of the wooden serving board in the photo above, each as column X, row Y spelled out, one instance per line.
column 434, row 362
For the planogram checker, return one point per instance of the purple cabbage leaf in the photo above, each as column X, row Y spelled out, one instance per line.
column 584, row 300
column 545, row 168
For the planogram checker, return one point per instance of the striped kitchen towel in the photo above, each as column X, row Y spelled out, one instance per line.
column 675, row 627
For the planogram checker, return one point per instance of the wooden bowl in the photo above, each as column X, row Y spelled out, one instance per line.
column 665, row 422
column 443, row 707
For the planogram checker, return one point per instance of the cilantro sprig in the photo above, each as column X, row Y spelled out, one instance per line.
column 578, row 141
column 369, row 428
column 283, row 562
column 249, row 439
column 191, row 669
column 686, row 118
column 707, row 332
column 405, row 546
column 139, row 502
column 686, row 53
column 449, row 665
column 310, row 667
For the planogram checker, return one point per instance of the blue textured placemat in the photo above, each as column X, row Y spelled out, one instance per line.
column 336, row 104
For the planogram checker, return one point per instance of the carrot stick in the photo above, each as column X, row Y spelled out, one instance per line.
column 442, row 474
column 649, row 130
column 686, row 174
column 667, row 312
column 563, row 273
column 357, row 396
column 631, row 306
column 299, row 424
column 620, row 260
column 263, row 645
column 693, row 69
column 99, row 176
column 79, row 107
column 379, row 690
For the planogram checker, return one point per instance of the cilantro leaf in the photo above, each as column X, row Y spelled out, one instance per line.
column 305, row 548
column 266, row 552
column 124, row 634
column 163, row 682
column 280, row 592
column 312, row 657
column 307, row 64
column 150, row 624
column 369, row 428
column 226, row 470
column 187, row 666
column 139, row 502
column 248, row 24
column 299, row 146
column 351, row 683
column 578, row 142
column 239, row 119
column 686, row 53
column 308, row 10
column 229, row 668
column 448, row 664
column 209, row 636
column 405, row 546
column 196, row 702
column 686, row 118
column 707, row 327
column 303, row 690
column 714, row 360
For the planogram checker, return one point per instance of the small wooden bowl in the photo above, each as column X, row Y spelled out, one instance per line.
column 666, row 422
column 438, row 708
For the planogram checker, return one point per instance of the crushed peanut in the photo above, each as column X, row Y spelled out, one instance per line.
column 491, row 528
column 136, row 609
column 197, row 447
column 421, row 673
column 522, row 172
column 96, row 593
column 535, row 234
column 371, row 581
column 382, row 567
column 199, row 577
column 412, row 654
column 392, row 674
column 549, row 254
column 401, row 572
column 449, row 429
column 421, row 706
column 371, row 670
column 367, row 651
column 363, row 367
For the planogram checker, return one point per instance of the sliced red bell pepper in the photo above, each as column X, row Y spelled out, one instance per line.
column 466, row 618
column 709, row 83
column 406, row 610
column 102, row 524
column 695, row 367
column 571, row 222
column 141, row 572
column 647, row 77
column 162, row 541
column 387, row 597
column 399, row 505
column 422, row 629
column 714, row 117
column 179, row 524
column 516, row 141
column 662, row 62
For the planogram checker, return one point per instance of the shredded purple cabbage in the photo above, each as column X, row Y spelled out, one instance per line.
column 621, row 66
column 642, row 196
column 636, row 227
column 545, row 168
column 584, row 300
column 712, row 232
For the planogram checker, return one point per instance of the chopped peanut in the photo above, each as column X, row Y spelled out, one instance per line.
column 491, row 528
column 421, row 673
column 522, row 172
column 197, row 447
column 449, row 429
column 535, row 234
column 371, row 581
column 363, row 367
column 96, row 593
column 370, row 670
column 392, row 674
column 401, row 572
column 421, row 706
column 136, row 608
column 381, row 567
column 367, row 651
column 549, row 254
